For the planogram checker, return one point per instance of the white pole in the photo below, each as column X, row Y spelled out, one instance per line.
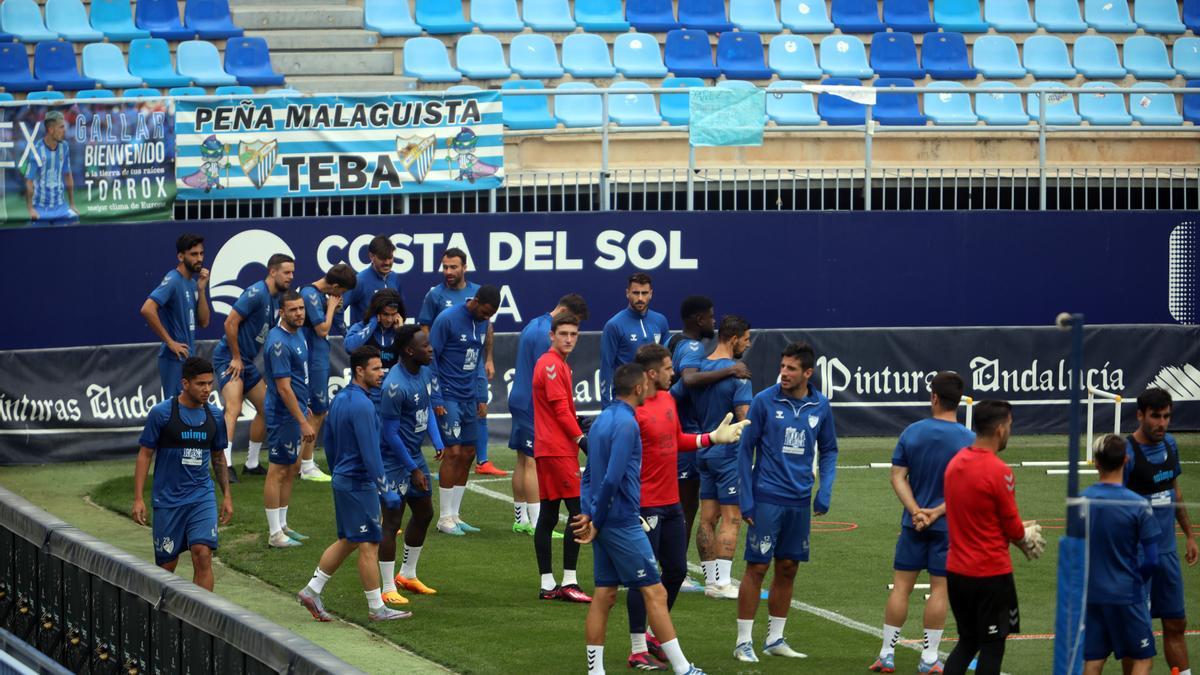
column 1117, row 416
column 1091, row 413
column 970, row 403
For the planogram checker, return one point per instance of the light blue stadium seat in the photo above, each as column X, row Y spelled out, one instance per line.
column 791, row 109
column 45, row 96
column 69, row 19
column 142, row 92
column 628, row 106
column 5, row 96
column 1154, row 16
column 54, row 62
column 997, row 56
column 548, row 16
column 534, row 56
column 948, row 104
column 651, row 16
column 1059, row 16
column 895, row 55
column 235, row 90
column 1108, row 16
column 1047, row 56
column 150, row 59
column 1146, row 58
column 755, row 15
column 463, row 89
column 288, row 91
column 944, row 57
column 187, row 91
column 838, row 111
column 688, row 54
column 1009, row 16
column 527, row 112
column 845, row 56
column 740, row 56
column 1060, row 107
column 793, row 57
column 114, row 18
column 909, row 16
column 897, row 108
column 1003, row 109
column 23, row 19
column 161, row 18
column 578, row 111
column 14, row 69
column 805, row 16
column 586, row 55
column 442, row 17
column 856, row 16
column 638, row 55
column 1096, row 58
column 706, row 15
column 104, row 62
column 201, row 64
column 390, row 18
column 496, row 16
column 676, row 108
column 249, row 60
column 211, row 19
column 601, row 16
column 960, row 16
column 1154, row 108
column 1191, row 103
column 481, row 57
column 96, row 93
column 426, row 59
column 1104, row 108
column 1187, row 57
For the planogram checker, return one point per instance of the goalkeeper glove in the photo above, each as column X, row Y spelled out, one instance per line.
column 1033, row 543
column 585, row 423
column 645, row 525
column 727, row 432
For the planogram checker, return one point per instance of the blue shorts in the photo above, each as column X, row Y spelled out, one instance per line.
column 718, row 478
column 779, row 532
column 357, row 512
column 622, row 557
column 170, row 374
column 1125, row 631
column 521, row 439
column 924, row 550
column 318, row 386
column 176, row 529
column 686, row 465
column 1166, row 588
column 283, row 441
column 400, row 482
column 460, row 424
column 250, row 374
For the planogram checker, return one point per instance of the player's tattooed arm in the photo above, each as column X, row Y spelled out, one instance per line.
column 221, row 469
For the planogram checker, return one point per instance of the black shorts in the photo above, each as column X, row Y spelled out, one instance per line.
column 985, row 608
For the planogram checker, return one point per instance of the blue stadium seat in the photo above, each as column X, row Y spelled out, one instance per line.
column 856, row 16
column 1187, row 57
column 688, row 54
column 706, row 15
column 632, row 107
column 390, row 18
column 845, row 56
column 948, row 104
column 960, row 16
column 23, row 19
column 150, row 59
column 161, row 18
column 496, row 16
column 805, row 16
column 1047, row 56
column 1158, row 109
column 481, row 57
column 740, row 56
column 96, row 93
column 1108, row 16
column 996, row 56
column 548, row 16
column 142, row 92
column 638, row 55
column 1059, row 16
column 104, row 62
column 794, row 57
column 45, row 96
column 1096, row 58
column 651, row 16
column 601, row 16
column 69, row 19
column 944, row 57
column 754, row 15
column 14, row 69
column 5, row 96
column 791, row 109
column 586, row 55
column 288, row 91
column 534, row 56
column 54, row 62
column 909, row 16
column 1060, row 107
column 1154, row 16
column 1191, row 103
column 897, row 108
column 200, row 62
column 114, row 18
column 676, row 108
column 187, row 91
column 838, row 111
column 210, row 19
column 463, row 89
column 578, row 111
column 1191, row 15
column 426, row 59
column 1002, row 109
column 1008, row 16
column 527, row 112
column 1104, row 108
column 895, row 55
column 234, row 90
column 1146, row 58
column 249, row 60
column 439, row 17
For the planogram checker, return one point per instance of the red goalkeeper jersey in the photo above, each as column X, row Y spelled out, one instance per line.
column 554, row 425
column 981, row 511
column 662, row 441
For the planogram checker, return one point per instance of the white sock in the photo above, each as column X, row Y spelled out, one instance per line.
column 637, row 643
column 534, row 509
column 1186, row 672
column 229, row 454
column 724, row 572
column 745, row 630
column 374, row 599
column 317, row 583
column 283, row 518
column 387, row 573
column 932, row 639
column 519, row 515
column 307, row 465
column 569, row 578
column 273, row 521
column 709, row 567
column 775, row 626
column 459, row 491
column 675, row 655
column 408, row 569
column 595, row 656
column 446, row 502
column 891, row 635
column 252, row 454
column 548, row 582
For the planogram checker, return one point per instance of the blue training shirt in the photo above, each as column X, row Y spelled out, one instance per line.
column 181, row 475
column 352, row 441
column 458, row 356
column 623, row 334
column 176, row 298
column 611, row 487
column 371, row 333
column 1115, row 531
column 688, row 354
column 1163, row 503
column 534, row 341
column 46, row 170
column 925, row 449
column 442, row 297
column 358, row 299
column 406, row 411
column 711, row 403
column 257, row 308
column 286, row 356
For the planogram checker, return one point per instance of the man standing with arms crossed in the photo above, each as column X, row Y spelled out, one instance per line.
column 175, row 308
column 628, row 329
column 377, row 277
column 321, row 300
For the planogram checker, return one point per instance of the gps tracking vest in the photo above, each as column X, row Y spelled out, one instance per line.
column 1147, row 478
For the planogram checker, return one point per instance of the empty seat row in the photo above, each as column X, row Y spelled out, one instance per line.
column 1145, row 57
column 114, row 20
column 148, row 92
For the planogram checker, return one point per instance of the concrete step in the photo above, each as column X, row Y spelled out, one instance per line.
column 299, row 16
column 320, row 84
column 311, row 40
column 373, row 62
column 234, row 4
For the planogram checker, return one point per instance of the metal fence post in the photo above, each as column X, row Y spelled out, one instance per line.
column 867, row 161
column 605, row 204
column 492, row 200
column 1042, row 150
column 279, row 207
column 691, row 177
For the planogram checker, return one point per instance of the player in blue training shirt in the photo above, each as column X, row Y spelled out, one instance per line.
column 379, row 276
column 610, row 519
column 246, row 329
column 918, row 465
column 49, row 185
column 352, row 438
column 378, row 329
column 182, row 436
column 789, row 422
column 285, row 362
column 321, row 318
column 457, row 336
column 1153, row 472
column 1119, row 522
column 628, row 329
column 534, row 341
column 175, row 308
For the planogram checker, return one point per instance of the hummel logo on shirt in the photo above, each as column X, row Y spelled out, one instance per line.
column 550, row 372
column 362, row 528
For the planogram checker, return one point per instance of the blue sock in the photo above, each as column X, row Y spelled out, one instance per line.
column 481, row 443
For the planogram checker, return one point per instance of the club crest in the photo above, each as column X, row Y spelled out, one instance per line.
column 258, row 160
